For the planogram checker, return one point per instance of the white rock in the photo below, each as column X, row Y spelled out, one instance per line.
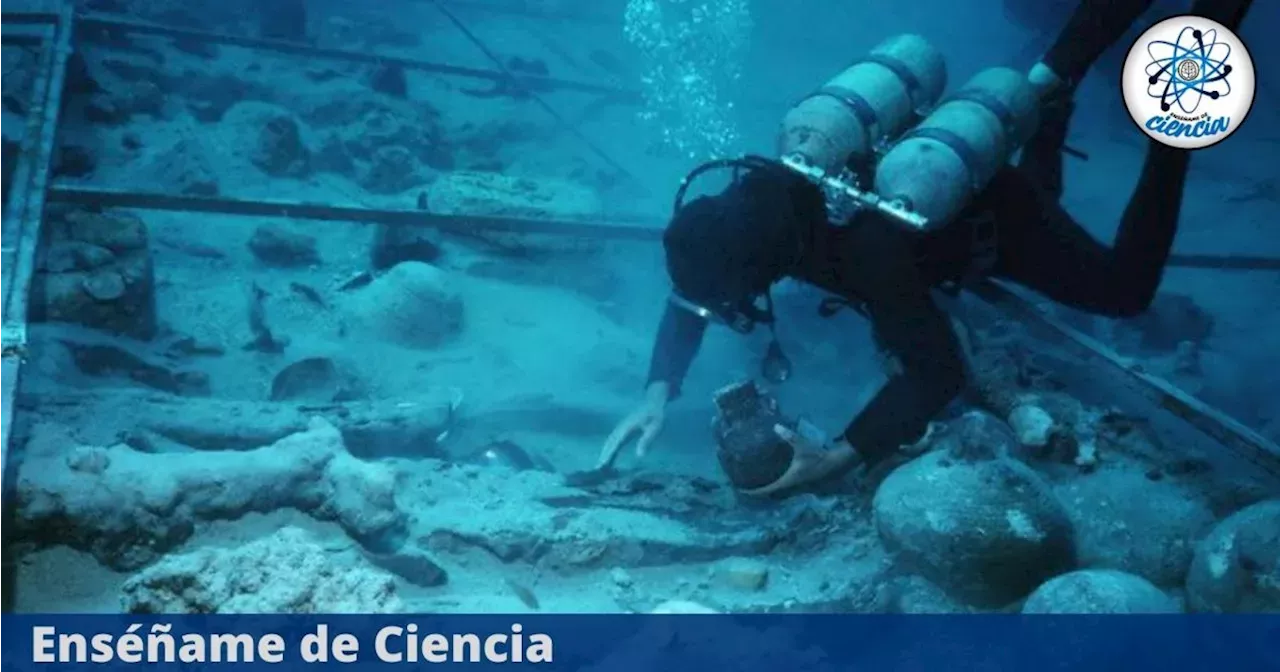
column 1032, row 425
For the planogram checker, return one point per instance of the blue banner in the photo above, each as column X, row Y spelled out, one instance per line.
column 646, row 643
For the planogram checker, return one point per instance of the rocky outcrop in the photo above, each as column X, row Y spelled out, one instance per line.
column 96, row 272
column 288, row 572
column 269, row 138
column 282, row 247
column 1237, row 567
column 1099, row 591
column 414, row 305
column 978, row 523
column 385, row 146
column 1127, row 521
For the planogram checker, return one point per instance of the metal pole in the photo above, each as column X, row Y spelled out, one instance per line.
column 1212, row 422
column 1225, row 262
column 522, row 83
column 28, row 18
column 19, row 234
column 41, row 164
column 560, row 120
column 624, row 228
column 538, row 14
column 621, row 227
column 15, row 208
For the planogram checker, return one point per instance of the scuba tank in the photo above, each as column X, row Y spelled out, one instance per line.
column 930, row 174
column 937, row 167
column 871, row 101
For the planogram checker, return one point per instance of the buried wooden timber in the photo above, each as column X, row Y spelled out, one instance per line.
column 1243, row 441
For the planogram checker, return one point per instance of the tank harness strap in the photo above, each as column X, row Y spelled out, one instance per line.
column 993, row 105
column 861, row 109
column 900, row 69
column 954, row 142
column 957, row 144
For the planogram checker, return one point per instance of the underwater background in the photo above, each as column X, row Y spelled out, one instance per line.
column 314, row 409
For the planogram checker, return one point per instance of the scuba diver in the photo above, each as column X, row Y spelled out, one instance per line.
column 777, row 220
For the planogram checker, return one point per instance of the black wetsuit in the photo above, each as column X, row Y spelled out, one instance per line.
column 891, row 272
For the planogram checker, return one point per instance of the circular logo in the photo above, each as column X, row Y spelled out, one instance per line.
column 1188, row 82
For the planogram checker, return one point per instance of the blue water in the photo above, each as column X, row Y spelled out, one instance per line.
column 201, row 372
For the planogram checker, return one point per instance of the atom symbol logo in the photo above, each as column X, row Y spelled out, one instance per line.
column 1187, row 71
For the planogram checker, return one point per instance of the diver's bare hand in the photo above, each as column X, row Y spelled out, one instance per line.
column 646, row 421
column 815, row 458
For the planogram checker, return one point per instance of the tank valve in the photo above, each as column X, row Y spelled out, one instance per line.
column 840, row 189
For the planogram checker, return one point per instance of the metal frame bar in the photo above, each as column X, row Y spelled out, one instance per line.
column 24, row 34
column 627, row 228
column 522, row 83
column 1225, row 262
column 25, row 209
column 526, row 85
column 546, row 107
column 28, row 18
column 1212, row 422
column 19, row 236
column 574, row 17
column 13, row 40
column 15, row 210
column 622, row 227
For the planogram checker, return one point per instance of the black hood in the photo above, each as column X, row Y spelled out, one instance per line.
column 734, row 245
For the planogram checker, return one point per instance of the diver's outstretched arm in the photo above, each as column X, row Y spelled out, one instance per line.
column 679, row 337
column 911, row 327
